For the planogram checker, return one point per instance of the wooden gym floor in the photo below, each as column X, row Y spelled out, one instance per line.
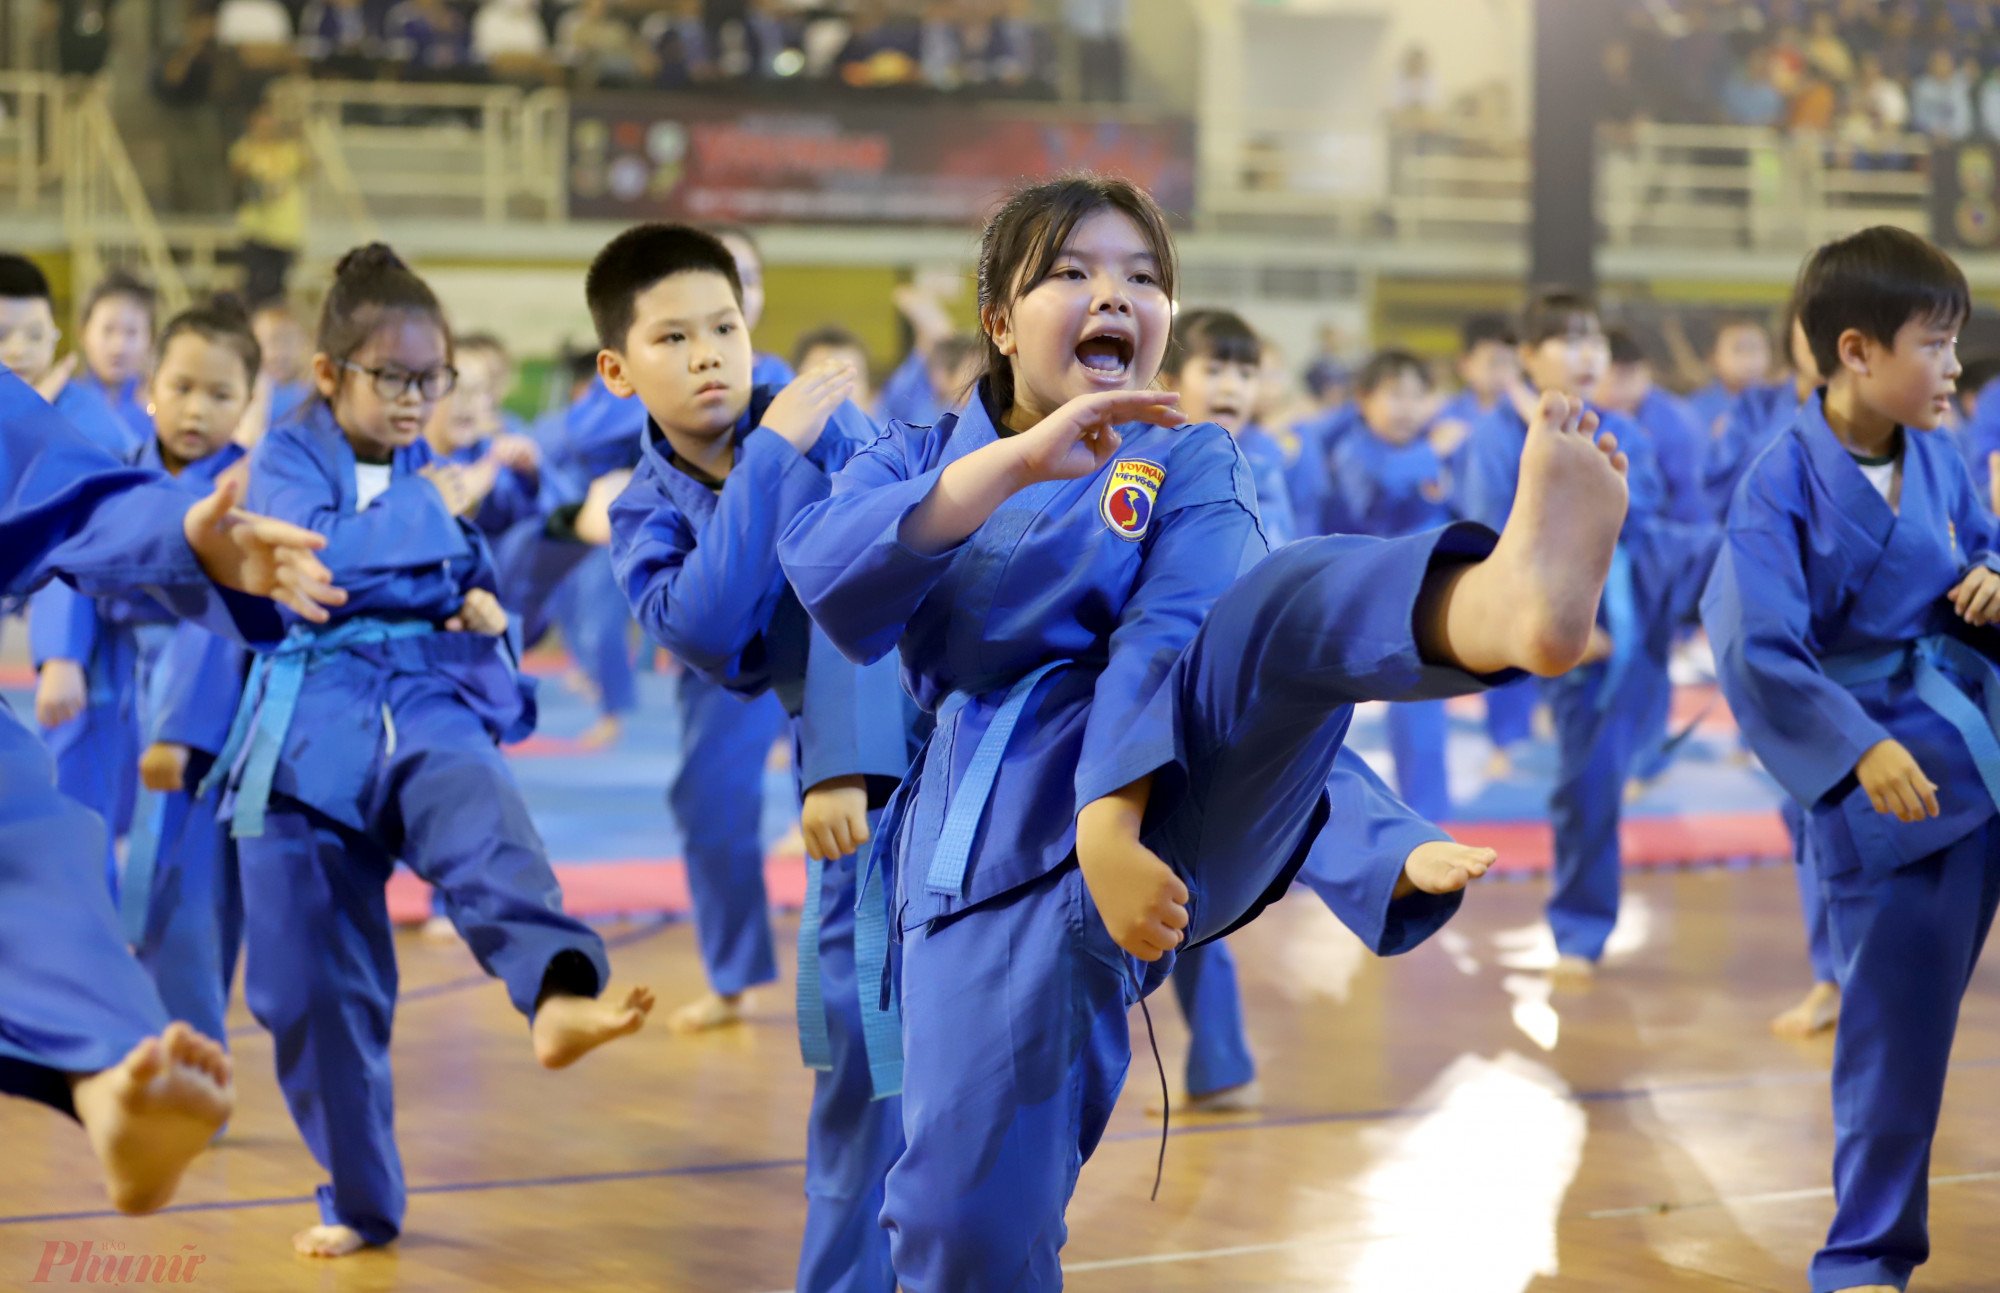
column 1435, row 1123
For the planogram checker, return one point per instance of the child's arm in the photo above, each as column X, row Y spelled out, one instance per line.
column 62, row 638
column 1976, row 596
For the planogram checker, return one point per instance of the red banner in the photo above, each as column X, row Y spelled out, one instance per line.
column 911, row 162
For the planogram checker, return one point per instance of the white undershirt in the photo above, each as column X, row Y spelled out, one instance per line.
column 371, row 481
column 1882, row 476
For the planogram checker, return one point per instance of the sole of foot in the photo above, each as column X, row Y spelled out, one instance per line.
column 152, row 1112
column 327, row 1241
column 1568, row 510
column 709, row 1012
column 568, row 1028
column 1817, row 1013
column 601, row 735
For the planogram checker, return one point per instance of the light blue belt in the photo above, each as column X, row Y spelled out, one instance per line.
column 968, row 801
column 249, row 758
column 1924, row 659
column 1621, row 624
column 881, row 1019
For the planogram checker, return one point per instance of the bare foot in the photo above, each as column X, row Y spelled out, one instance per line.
column 1819, row 1011
column 328, row 1241
column 1542, row 583
column 568, row 1028
column 1499, row 765
column 1573, row 972
column 709, row 1011
column 152, row 1112
column 1246, row 1098
column 1442, row 866
column 439, row 929
column 601, row 735
column 578, row 683
column 1635, row 790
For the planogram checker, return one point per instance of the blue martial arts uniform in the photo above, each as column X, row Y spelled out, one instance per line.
column 1389, row 491
column 1068, row 648
column 1832, row 634
column 1679, row 446
column 1309, row 478
column 363, row 741
column 72, row 998
column 1710, row 404
column 698, row 560
column 1600, row 708
column 1510, row 710
column 1755, row 418
column 1267, row 478
column 128, row 401
column 908, row 395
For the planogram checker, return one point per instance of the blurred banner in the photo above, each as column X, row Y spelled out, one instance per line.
column 1965, row 196
column 653, row 157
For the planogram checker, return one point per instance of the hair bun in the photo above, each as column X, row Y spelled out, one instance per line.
column 371, row 259
column 228, row 307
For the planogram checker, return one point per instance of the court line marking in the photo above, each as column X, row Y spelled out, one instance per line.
column 1261, row 1124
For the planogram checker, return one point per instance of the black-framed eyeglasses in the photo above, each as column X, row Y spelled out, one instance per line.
column 393, row 383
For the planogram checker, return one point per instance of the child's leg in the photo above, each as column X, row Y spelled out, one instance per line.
column 1219, row 1057
column 853, row 1137
column 1418, row 733
column 322, row 981
column 1819, row 1009
column 717, row 796
column 1907, row 945
column 183, row 946
column 97, row 760
column 598, row 627
column 1015, row 1050
column 1653, row 702
column 1593, row 758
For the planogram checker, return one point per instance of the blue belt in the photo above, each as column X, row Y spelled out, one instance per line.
column 249, row 758
column 1924, row 659
column 881, row 1019
column 968, row 800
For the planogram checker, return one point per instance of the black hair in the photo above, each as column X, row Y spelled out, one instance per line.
column 1482, row 329
column 1553, row 312
column 1023, row 238
column 369, row 284
column 21, row 279
column 1875, row 282
column 1625, row 348
column 641, row 257
column 222, row 320
column 1218, row 335
column 830, row 336
column 1385, row 366
column 1738, row 319
column 1978, row 371
column 123, row 283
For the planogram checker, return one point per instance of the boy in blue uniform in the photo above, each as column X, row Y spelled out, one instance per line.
column 1658, row 573
column 1847, row 613
column 376, row 738
column 1133, row 745
column 81, row 1028
column 1392, row 482
column 1739, row 360
column 726, row 465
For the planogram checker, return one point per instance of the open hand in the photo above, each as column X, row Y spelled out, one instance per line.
column 259, row 555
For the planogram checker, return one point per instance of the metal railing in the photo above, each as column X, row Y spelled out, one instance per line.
column 34, row 140
column 384, row 150
column 107, row 218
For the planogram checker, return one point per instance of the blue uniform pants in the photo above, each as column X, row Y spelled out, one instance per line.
column 1812, row 896
column 1906, row 945
column 1419, row 734
column 596, row 624
column 1595, row 746
column 321, row 975
column 72, row 999
column 853, row 1137
column 1014, row 1010
column 1510, row 713
column 194, row 913
column 1218, row 1056
column 97, row 753
column 717, row 796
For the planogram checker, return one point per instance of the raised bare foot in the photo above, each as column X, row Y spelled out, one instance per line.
column 328, row 1241
column 567, row 1028
column 1556, row 550
column 1573, row 972
column 1819, row 1011
column 152, row 1112
column 1442, row 866
column 709, row 1011
column 601, row 735
column 1247, row 1097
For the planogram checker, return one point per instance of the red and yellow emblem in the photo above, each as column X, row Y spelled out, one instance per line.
column 1129, row 495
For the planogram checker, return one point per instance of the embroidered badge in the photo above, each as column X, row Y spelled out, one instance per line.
column 1129, row 494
